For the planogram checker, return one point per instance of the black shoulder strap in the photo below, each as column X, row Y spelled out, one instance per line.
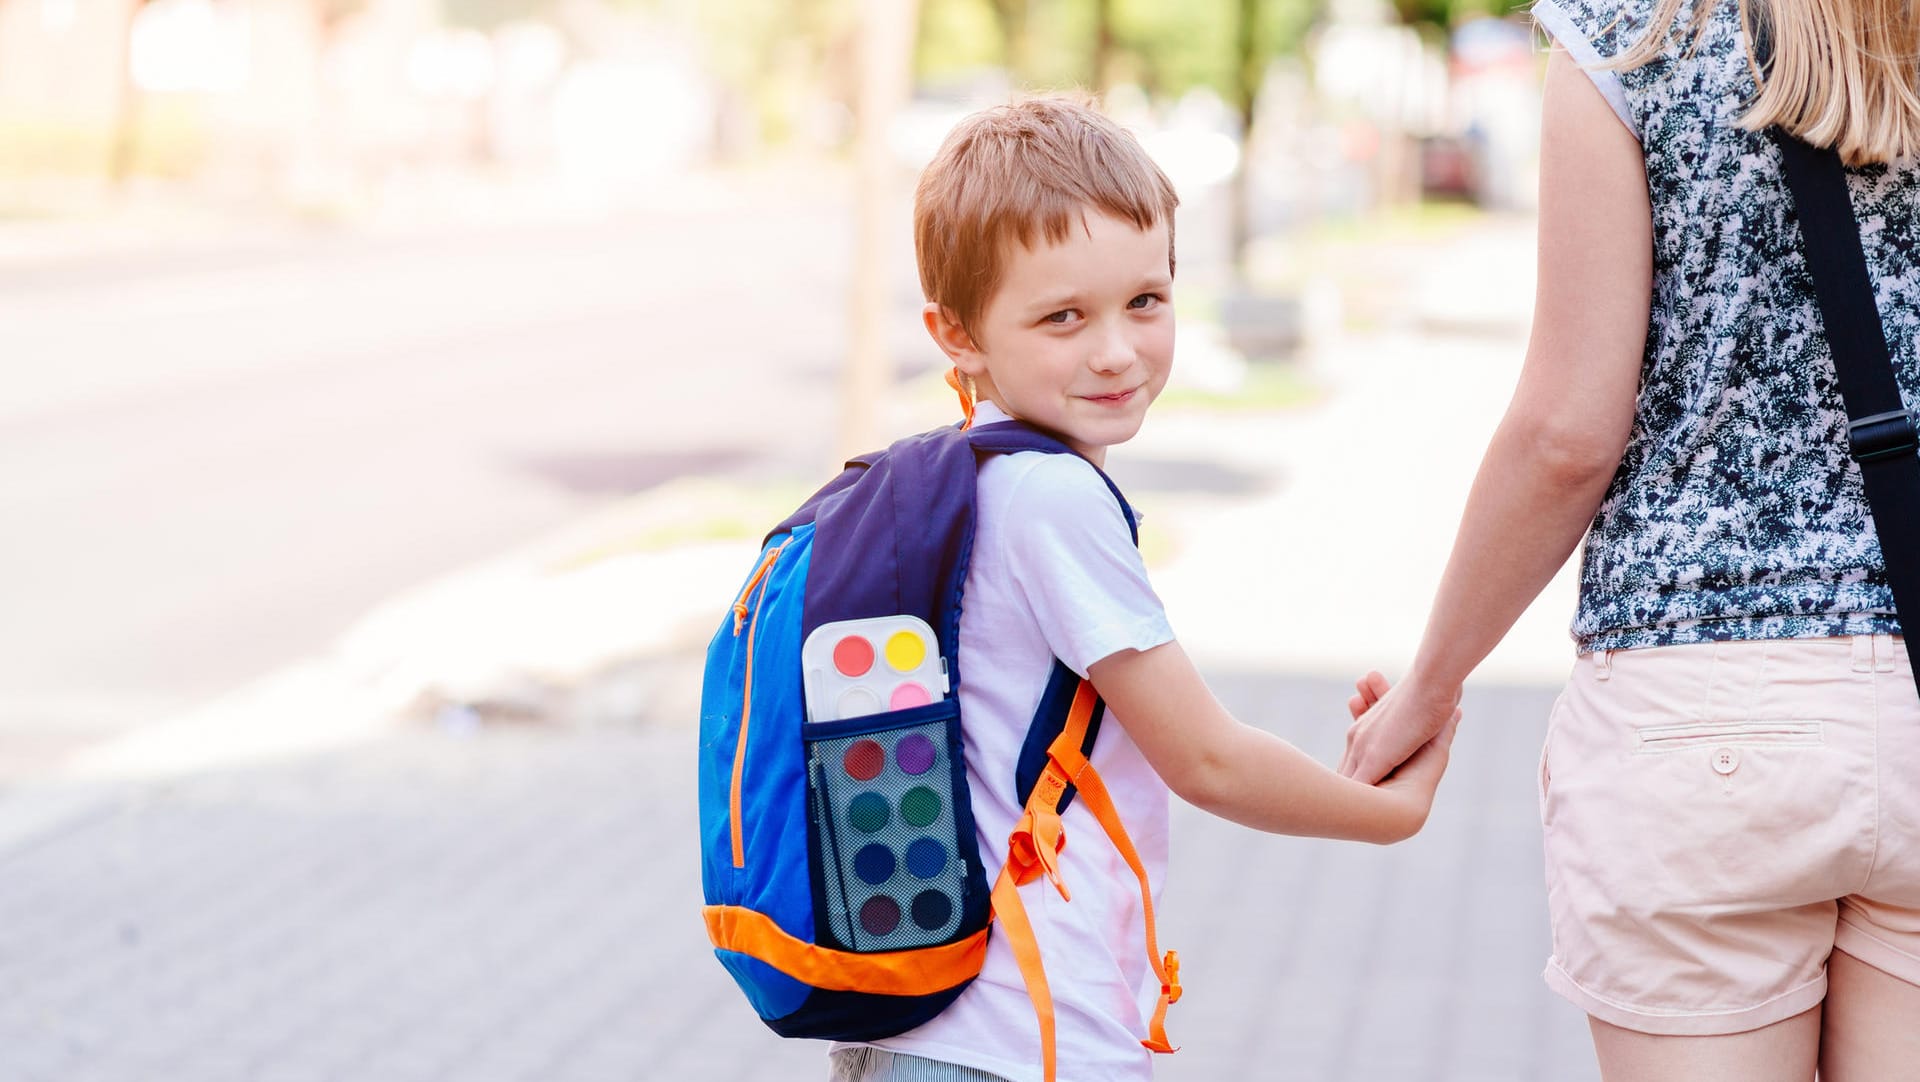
column 1880, row 433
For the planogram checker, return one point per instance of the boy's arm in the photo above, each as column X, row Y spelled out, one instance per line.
column 1237, row 772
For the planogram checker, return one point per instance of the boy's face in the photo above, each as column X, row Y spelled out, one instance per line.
column 1079, row 336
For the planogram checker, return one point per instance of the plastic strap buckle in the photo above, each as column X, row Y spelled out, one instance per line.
column 1884, row 435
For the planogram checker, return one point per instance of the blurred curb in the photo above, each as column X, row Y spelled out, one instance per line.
column 601, row 623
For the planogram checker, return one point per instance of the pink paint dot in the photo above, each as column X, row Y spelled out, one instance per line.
column 908, row 695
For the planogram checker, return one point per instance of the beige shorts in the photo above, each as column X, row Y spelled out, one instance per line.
column 1721, row 817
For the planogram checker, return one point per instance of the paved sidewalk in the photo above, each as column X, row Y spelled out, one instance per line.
column 521, row 904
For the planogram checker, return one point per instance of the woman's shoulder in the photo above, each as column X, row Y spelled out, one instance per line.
column 1696, row 70
column 1598, row 31
column 1606, row 28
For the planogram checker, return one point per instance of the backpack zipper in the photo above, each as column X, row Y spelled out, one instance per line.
column 742, row 609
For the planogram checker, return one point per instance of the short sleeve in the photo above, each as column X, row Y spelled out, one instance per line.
column 1073, row 559
column 1590, row 32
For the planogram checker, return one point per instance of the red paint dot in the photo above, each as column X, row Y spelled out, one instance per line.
column 864, row 761
column 880, row 915
column 853, row 656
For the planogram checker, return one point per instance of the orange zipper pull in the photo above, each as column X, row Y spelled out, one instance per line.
column 740, row 603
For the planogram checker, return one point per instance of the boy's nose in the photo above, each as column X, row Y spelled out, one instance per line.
column 1114, row 353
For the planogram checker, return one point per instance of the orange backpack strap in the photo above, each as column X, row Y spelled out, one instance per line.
column 1033, row 850
column 1011, row 912
column 1093, row 793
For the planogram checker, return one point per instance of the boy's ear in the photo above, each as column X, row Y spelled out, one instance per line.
column 952, row 338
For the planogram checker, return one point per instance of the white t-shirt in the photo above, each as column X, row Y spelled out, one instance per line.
column 1054, row 573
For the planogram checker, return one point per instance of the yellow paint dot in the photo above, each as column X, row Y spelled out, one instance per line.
column 905, row 651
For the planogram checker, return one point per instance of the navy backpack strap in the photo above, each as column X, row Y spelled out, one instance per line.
column 855, row 469
column 1880, row 432
column 892, row 537
column 1050, row 717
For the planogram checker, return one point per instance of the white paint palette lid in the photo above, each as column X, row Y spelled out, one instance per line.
column 854, row 668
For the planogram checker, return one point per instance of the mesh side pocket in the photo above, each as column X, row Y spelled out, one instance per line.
column 889, row 839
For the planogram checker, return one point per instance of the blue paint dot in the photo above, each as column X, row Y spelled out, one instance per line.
column 874, row 864
column 926, row 858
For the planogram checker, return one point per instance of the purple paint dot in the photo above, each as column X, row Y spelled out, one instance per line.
column 914, row 754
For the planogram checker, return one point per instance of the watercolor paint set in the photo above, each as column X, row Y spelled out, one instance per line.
column 858, row 667
column 882, row 792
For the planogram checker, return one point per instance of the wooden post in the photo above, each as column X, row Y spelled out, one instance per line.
column 1247, row 72
column 886, row 79
column 1104, row 48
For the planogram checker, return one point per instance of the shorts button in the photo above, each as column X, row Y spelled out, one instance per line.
column 1725, row 760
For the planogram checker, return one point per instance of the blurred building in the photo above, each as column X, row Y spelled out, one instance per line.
column 328, row 101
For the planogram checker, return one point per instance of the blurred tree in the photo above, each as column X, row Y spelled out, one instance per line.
column 331, row 15
column 1167, row 49
column 783, row 56
column 1104, row 47
column 1442, row 14
column 1016, row 40
column 482, row 15
column 125, row 147
column 957, row 37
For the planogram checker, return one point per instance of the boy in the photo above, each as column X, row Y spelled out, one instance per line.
column 1044, row 236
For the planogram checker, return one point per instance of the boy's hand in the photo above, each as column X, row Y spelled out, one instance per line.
column 1418, row 778
column 1399, row 721
column 1367, row 691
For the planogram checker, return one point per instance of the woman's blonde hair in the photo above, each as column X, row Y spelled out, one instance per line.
column 1843, row 73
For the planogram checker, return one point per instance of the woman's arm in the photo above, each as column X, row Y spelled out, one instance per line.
column 1557, row 448
column 1252, row 777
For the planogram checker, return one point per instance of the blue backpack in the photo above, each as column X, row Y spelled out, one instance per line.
column 844, row 886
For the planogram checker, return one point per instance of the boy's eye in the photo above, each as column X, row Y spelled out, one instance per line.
column 1144, row 300
column 1060, row 318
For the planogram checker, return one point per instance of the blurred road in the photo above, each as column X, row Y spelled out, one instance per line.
column 212, row 459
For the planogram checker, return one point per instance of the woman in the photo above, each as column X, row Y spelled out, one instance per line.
column 1730, row 789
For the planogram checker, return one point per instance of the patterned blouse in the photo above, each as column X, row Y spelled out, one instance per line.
column 1736, row 513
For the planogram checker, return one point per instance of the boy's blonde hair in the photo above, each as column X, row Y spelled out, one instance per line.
column 1018, row 172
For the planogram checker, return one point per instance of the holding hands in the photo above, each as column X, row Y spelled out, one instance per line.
column 1404, row 731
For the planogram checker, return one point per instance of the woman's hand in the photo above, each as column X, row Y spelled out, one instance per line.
column 1392, row 724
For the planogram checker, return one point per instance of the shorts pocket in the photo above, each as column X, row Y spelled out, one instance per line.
column 1660, row 739
column 889, row 860
column 1545, row 775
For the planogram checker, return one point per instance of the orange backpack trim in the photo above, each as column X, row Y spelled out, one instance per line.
column 917, row 972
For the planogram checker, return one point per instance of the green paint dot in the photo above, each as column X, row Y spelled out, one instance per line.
column 920, row 807
column 868, row 813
